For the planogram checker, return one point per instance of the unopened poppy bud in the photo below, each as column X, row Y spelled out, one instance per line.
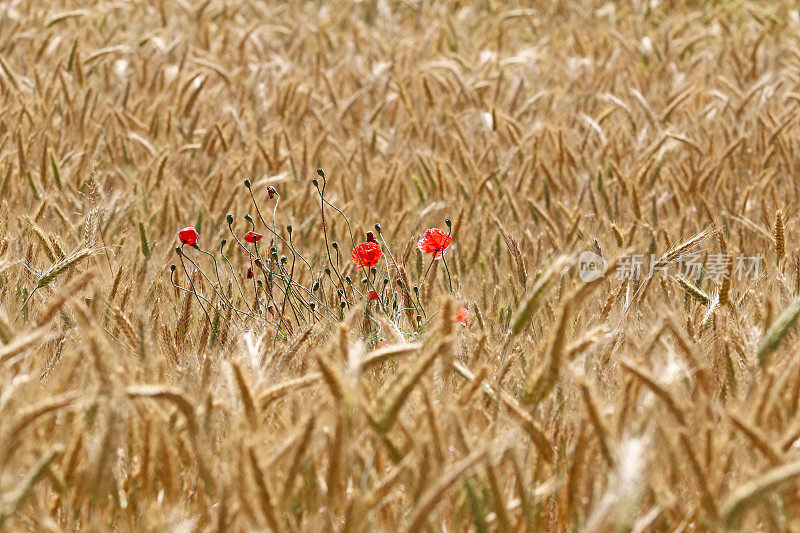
column 347, row 279
column 335, row 245
column 272, row 192
column 364, row 281
column 273, row 250
column 315, row 181
column 320, row 173
column 449, row 223
column 259, row 283
column 416, row 289
column 248, row 218
column 312, row 305
column 327, row 271
column 371, row 237
column 378, row 228
column 385, row 281
column 178, row 250
column 419, row 320
column 258, row 263
column 223, row 242
column 374, row 270
column 342, row 304
column 315, row 287
column 247, row 183
column 230, row 219
column 172, row 268
column 289, row 229
column 284, row 259
column 339, row 292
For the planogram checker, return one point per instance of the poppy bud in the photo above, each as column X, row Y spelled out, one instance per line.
column 247, row 183
column 248, row 218
column 229, row 219
column 347, row 279
column 284, row 259
column 315, row 182
column 449, row 223
column 320, row 173
column 335, row 245
column 371, row 237
column 378, row 228
column 342, row 304
column 249, row 272
column 289, row 229
column 374, row 270
column 223, row 242
column 258, row 263
column 172, row 268
column 315, row 287
column 327, row 271
column 178, row 250
column 272, row 192
column 259, row 283
column 312, row 305
column 364, row 281
column 385, row 281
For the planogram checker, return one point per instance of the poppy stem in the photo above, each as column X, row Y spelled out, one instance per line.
column 321, row 192
column 425, row 277
column 217, row 292
column 449, row 279
column 194, row 291
column 235, row 279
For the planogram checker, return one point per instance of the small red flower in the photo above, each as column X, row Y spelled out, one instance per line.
column 252, row 236
column 372, row 295
column 249, row 272
column 367, row 254
column 435, row 242
column 460, row 316
column 188, row 236
column 272, row 192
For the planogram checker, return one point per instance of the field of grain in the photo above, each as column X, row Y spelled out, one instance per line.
column 150, row 385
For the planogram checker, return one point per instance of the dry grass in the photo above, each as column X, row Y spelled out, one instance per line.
column 541, row 130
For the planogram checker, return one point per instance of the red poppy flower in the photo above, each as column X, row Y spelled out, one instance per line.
column 249, row 272
column 188, row 236
column 372, row 295
column 367, row 254
column 272, row 192
column 252, row 236
column 460, row 316
column 435, row 242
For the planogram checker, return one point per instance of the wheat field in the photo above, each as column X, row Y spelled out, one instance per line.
column 265, row 381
